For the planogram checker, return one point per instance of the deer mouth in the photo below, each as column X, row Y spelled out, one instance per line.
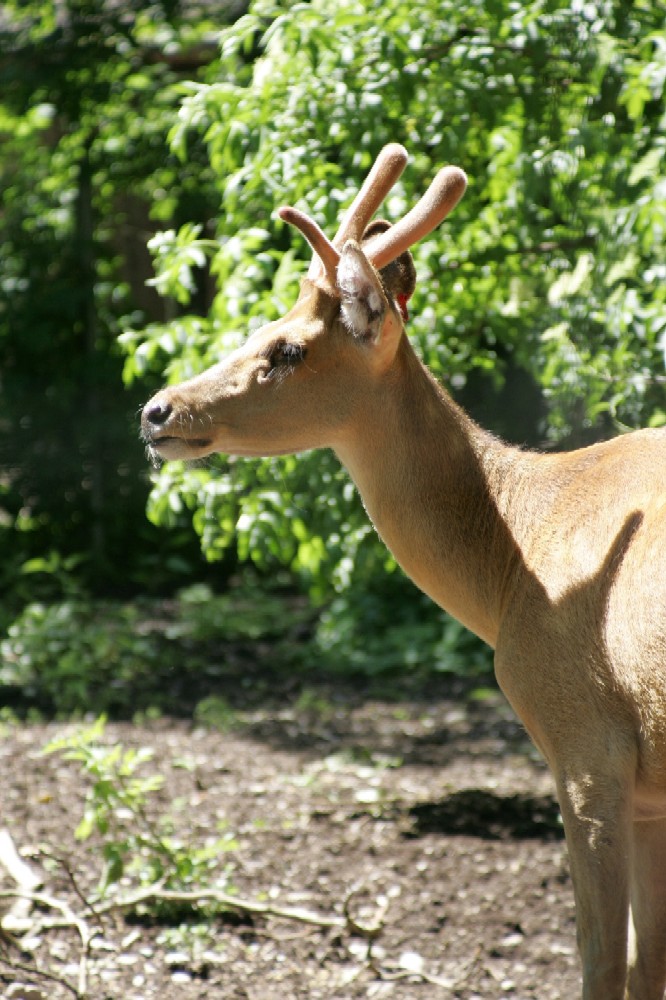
column 167, row 439
column 171, row 446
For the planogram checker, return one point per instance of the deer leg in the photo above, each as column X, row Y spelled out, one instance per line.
column 647, row 972
column 597, row 824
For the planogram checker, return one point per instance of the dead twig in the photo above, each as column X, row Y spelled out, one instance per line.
column 368, row 931
column 64, row 863
column 26, row 879
column 68, row 919
column 420, row 976
column 155, row 894
column 34, row 973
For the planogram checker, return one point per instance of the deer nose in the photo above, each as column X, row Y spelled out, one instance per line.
column 157, row 413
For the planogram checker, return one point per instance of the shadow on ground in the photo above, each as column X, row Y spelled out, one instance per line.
column 478, row 813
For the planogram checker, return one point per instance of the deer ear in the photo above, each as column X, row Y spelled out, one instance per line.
column 399, row 275
column 364, row 304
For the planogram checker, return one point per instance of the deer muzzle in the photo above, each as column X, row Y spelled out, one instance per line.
column 168, row 434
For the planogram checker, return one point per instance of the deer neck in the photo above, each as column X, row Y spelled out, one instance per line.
column 438, row 490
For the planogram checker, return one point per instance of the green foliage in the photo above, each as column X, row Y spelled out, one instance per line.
column 553, row 263
column 83, row 655
column 193, row 655
column 137, row 847
column 251, row 611
column 78, row 656
column 395, row 634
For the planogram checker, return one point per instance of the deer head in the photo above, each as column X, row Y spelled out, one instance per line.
column 295, row 384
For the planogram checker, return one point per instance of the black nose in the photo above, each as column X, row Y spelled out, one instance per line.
column 158, row 413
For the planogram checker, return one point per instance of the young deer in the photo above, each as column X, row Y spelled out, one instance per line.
column 557, row 561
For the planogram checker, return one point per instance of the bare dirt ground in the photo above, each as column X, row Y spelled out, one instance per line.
column 427, row 811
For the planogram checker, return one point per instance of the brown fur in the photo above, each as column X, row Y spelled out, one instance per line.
column 557, row 561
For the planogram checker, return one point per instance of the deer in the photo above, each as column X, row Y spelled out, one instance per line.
column 555, row 559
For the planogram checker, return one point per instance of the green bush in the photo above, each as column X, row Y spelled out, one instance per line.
column 84, row 656
column 396, row 635
column 187, row 655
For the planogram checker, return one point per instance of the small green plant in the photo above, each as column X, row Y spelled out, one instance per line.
column 215, row 712
column 136, row 844
column 253, row 609
column 310, row 703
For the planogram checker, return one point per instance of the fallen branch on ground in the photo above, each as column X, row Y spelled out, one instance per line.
column 153, row 894
column 157, row 894
column 27, row 880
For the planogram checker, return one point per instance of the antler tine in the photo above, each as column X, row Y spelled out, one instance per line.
column 385, row 171
column 318, row 240
column 441, row 197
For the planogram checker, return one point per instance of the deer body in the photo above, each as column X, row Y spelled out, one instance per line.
column 557, row 561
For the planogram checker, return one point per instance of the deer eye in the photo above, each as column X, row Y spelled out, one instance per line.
column 285, row 355
column 288, row 354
